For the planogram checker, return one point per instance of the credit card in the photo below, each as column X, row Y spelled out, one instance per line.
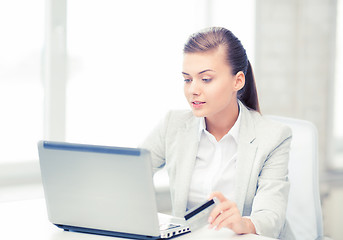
column 198, row 217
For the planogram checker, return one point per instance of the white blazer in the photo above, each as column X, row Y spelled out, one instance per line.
column 262, row 166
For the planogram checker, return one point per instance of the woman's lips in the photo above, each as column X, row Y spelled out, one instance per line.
column 197, row 104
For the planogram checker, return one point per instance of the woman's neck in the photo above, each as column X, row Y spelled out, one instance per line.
column 220, row 124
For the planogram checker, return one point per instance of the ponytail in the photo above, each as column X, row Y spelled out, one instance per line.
column 248, row 94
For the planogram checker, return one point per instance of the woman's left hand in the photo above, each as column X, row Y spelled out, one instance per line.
column 226, row 214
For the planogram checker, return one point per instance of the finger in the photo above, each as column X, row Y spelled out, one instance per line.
column 222, row 217
column 216, row 211
column 220, row 208
column 218, row 195
column 230, row 222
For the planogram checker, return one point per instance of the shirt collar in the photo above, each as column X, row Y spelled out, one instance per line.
column 234, row 131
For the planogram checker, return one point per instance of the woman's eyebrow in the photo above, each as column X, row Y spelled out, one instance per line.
column 199, row 72
column 206, row 71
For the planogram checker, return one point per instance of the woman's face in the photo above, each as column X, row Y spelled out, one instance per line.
column 210, row 88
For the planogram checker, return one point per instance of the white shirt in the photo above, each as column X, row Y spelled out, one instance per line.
column 215, row 165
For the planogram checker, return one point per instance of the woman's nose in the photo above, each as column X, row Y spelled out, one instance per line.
column 194, row 88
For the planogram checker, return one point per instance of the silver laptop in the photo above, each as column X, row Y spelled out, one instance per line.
column 105, row 190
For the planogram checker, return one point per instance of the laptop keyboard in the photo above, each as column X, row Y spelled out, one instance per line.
column 168, row 226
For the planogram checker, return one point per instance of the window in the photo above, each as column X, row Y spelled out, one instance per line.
column 124, row 64
column 21, row 93
column 126, row 60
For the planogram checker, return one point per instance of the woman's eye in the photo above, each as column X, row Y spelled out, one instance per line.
column 187, row 80
column 206, row 79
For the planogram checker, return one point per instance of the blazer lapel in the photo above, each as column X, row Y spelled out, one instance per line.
column 187, row 147
column 247, row 147
column 187, row 143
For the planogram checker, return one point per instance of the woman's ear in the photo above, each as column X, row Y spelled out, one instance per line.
column 239, row 81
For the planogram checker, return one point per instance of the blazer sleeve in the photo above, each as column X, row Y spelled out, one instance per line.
column 155, row 143
column 270, row 202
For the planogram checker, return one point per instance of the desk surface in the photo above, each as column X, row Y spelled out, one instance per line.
column 28, row 220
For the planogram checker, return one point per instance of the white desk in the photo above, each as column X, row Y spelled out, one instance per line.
column 28, row 220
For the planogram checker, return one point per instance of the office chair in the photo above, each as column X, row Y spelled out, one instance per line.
column 304, row 211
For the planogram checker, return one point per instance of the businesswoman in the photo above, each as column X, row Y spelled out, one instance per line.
column 223, row 147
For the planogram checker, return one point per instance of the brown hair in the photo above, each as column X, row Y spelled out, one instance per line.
column 211, row 38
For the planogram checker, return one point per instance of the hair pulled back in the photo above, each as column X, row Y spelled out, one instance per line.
column 211, row 38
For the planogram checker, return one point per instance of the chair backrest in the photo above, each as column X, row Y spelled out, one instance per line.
column 304, row 212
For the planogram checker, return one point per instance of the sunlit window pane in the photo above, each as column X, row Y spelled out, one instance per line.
column 125, row 62
column 21, row 93
column 125, row 67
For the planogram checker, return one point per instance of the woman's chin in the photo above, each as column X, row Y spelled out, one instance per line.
column 198, row 113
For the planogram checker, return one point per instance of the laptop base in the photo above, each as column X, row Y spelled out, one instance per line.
column 105, row 233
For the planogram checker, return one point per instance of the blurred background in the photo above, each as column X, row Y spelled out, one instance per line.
column 106, row 71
